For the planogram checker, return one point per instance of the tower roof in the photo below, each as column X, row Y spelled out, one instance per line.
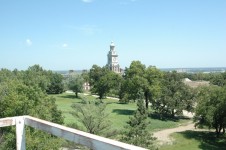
column 112, row 43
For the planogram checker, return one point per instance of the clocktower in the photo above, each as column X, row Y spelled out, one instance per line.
column 113, row 59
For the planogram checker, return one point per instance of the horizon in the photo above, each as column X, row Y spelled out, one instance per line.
column 74, row 69
column 188, row 70
column 77, row 34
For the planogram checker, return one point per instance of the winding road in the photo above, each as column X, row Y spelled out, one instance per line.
column 163, row 136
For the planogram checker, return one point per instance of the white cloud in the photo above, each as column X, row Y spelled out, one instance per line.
column 87, row 1
column 65, row 45
column 28, row 42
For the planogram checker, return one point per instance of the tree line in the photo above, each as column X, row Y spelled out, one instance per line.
column 163, row 91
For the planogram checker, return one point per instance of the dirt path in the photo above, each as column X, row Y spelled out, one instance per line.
column 163, row 136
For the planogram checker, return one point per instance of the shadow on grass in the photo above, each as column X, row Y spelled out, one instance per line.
column 208, row 140
column 123, row 111
column 167, row 117
column 163, row 117
column 70, row 96
column 109, row 103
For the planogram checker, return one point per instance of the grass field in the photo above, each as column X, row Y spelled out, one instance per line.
column 118, row 113
column 196, row 140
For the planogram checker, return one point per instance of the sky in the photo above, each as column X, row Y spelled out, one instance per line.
column 75, row 34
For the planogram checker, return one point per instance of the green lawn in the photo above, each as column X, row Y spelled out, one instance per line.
column 196, row 140
column 118, row 113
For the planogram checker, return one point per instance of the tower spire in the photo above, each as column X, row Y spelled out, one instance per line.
column 112, row 46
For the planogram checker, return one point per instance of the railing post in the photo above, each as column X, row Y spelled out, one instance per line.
column 20, row 134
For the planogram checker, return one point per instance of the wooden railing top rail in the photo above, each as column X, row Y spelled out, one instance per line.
column 90, row 140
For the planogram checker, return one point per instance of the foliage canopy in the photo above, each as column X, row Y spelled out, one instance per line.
column 24, row 93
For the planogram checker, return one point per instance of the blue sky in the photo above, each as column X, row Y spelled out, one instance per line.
column 75, row 34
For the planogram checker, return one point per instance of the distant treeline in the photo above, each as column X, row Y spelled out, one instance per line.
column 184, row 70
column 196, row 70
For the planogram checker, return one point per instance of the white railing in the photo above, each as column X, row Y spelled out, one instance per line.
column 90, row 140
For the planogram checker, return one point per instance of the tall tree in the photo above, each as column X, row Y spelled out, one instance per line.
column 75, row 83
column 153, row 89
column 103, row 80
column 138, row 77
column 175, row 96
column 94, row 74
column 56, row 83
column 85, row 75
column 211, row 108
column 136, row 131
column 135, row 80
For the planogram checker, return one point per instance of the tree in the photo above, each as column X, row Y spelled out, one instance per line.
column 36, row 75
column 56, row 83
column 48, row 81
column 75, row 83
column 136, row 131
column 175, row 96
column 103, row 80
column 94, row 74
column 135, row 80
column 211, row 108
column 107, row 82
column 92, row 115
column 116, row 83
column 219, row 79
column 153, row 89
column 6, row 74
column 17, row 99
column 139, row 78
column 85, row 76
